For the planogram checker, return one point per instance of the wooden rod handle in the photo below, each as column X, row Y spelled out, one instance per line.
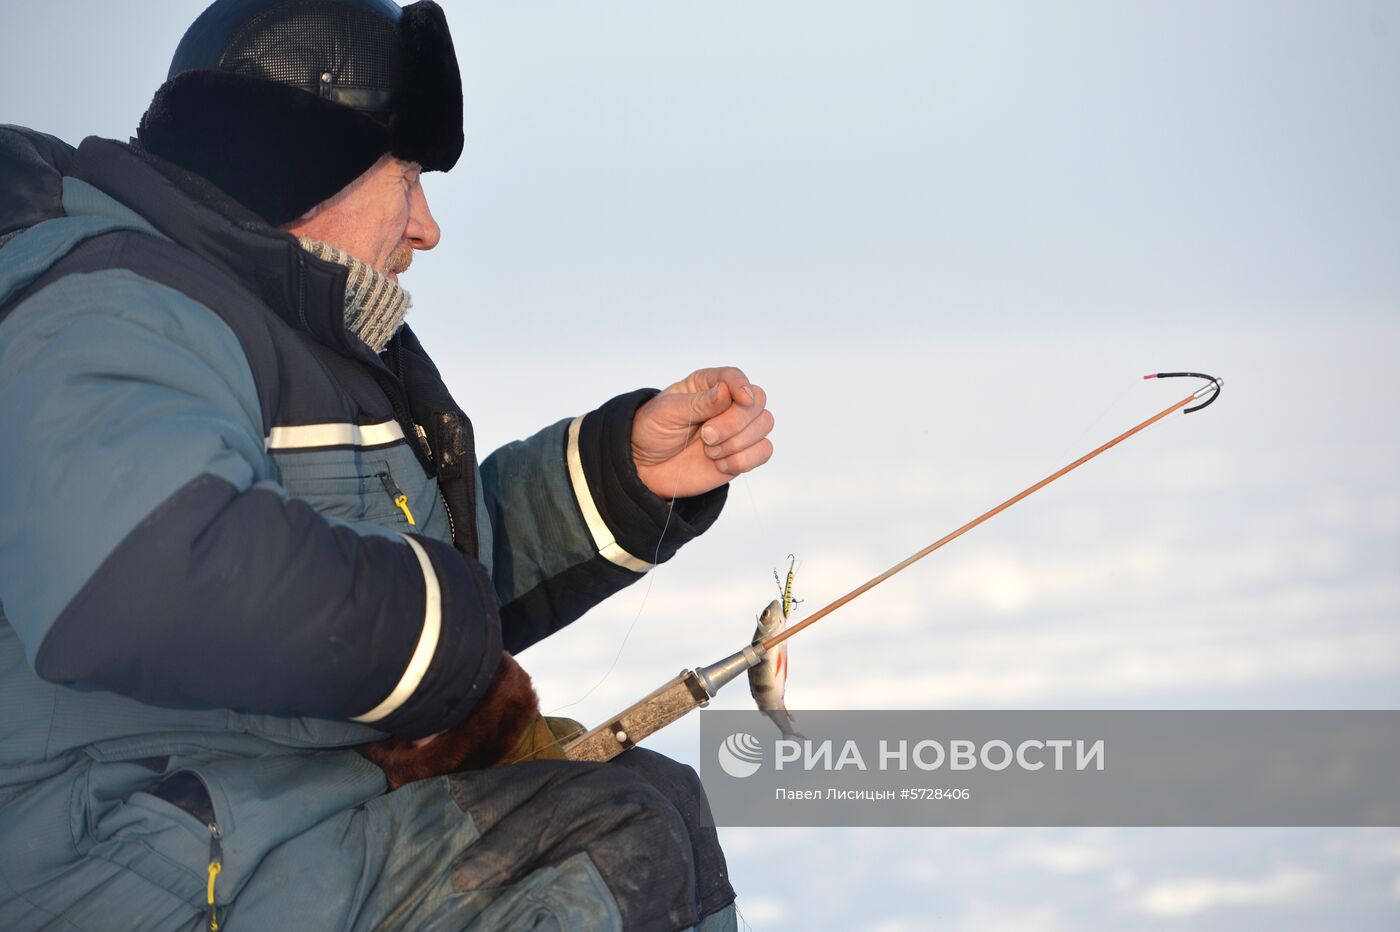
column 649, row 714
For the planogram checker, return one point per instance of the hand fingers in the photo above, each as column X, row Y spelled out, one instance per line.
column 746, row 459
column 752, row 433
column 739, row 388
column 736, row 418
column 702, row 380
column 710, row 403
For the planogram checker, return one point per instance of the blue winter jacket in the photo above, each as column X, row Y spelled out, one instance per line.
column 234, row 541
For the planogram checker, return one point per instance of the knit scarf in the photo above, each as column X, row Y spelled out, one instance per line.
column 375, row 305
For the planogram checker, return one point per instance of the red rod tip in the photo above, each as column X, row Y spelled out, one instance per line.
column 1152, row 376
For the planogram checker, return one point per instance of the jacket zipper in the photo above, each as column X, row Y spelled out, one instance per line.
column 392, row 386
column 216, row 866
column 398, row 496
column 423, row 438
column 451, row 524
column 301, row 291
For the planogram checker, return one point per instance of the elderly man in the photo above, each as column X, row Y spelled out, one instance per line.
column 259, row 600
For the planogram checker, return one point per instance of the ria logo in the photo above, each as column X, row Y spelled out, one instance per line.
column 740, row 755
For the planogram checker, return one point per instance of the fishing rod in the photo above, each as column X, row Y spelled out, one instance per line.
column 692, row 689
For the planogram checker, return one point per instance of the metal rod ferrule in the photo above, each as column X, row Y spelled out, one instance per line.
column 1214, row 386
column 718, row 674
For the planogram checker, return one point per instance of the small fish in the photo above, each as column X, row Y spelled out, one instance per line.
column 768, row 680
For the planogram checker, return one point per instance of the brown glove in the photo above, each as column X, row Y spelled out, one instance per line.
column 503, row 724
column 545, row 740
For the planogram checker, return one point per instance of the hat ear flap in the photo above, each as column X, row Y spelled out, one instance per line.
column 275, row 149
column 428, row 127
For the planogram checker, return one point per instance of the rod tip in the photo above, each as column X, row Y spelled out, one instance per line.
column 1152, row 376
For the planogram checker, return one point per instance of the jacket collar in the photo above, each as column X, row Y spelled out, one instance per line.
column 308, row 293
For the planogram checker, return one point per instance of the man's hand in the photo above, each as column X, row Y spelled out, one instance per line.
column 701, row 432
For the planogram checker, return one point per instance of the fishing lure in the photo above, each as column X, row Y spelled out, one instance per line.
column 768, row 680
column 786, row 588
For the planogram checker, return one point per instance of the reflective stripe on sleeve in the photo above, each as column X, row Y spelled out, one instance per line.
column 427, row 641
column 603, row 538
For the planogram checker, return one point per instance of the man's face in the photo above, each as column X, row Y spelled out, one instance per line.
column 379, row 218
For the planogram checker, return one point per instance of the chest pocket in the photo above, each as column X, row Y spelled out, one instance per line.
column 360, row 486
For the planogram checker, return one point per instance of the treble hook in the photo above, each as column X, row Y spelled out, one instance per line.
column 1213, row 388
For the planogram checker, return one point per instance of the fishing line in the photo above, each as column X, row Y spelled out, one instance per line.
column 753, row 504
column 1092, row 426
column 745, row 921
column 646, row 594
column 651, row 576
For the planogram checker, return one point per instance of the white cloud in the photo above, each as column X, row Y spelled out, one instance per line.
column 1066, row 858
column 918, row 871
column 1033, row 667
column 910, row 648
column 999, row 916
column 1123, row 881
column 1189, row 896
column 1367, row 845
column 900, row 925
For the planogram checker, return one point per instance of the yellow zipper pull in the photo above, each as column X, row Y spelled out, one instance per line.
column 216, row 866
column 402, row 502
column 396, row 493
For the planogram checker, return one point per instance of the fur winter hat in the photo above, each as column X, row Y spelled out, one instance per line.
column 281, row 103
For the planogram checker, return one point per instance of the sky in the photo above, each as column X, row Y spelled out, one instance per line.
column 948, row 239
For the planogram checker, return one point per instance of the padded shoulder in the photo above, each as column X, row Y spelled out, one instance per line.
column 32, row 166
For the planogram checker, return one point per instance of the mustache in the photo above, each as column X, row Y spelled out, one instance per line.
column 400, row 259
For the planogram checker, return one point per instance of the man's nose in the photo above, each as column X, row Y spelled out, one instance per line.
column 422, row 231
